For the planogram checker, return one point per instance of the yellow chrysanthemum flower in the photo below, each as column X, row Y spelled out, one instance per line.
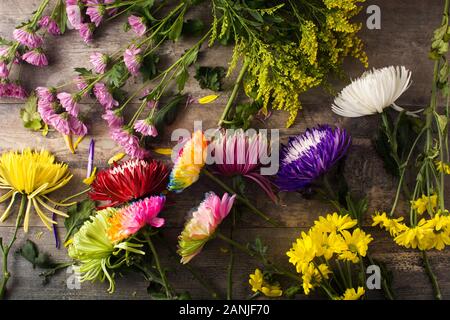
column 33, row 175
column 393, row 226
column 302, row 252
column 422, row 204
column 352, row 294
column 414, row 237
column 312, row 276
column 259, row 284
column 327, row 245
column 443, row 167
column 357, row 245
column 334, row 223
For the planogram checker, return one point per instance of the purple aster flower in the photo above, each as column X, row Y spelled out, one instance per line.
column 99, row 61
column 36, row 57
column 114, row 118
column 133, row 59
column 74, row 15
column 27, row 38
column 87, row 32
column 95, row 11
column 310, row 155
column 4, row 71
column 104, row 97
column 45, row 94
column 137, row 24
column 129, row 142
column 69, row 103
column 146, row 128
column 60, row 123
column 77, row 127
column 12, row 90
column 81, row 83
column 50, row 24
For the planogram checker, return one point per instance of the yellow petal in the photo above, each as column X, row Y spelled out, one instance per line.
column 75, row 145
column 163, row 151
column 208, row 99
column 69, row 143
column 117, row 157
column 88, row 181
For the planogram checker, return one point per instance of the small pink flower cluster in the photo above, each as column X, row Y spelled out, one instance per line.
column 95, row 10
column 60, row 111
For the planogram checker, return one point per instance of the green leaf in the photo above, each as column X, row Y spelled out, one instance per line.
column 31, row 253
column 210, row 78
column 190, row 57
column 30, row 116
column 78, row 215
column 118, row 75
column 442, row 121
column 83, row 71
column 244, row 115
column 149, row 67
column 193, row 27
column 181, row 79
column 60, row 16
column 292, row 291
column 177, row 28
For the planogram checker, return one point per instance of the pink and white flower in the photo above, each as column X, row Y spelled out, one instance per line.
column 133, row 59
column 99, row 61
column 74, row 15
column 28, row 38
column 87, row 32
column 95, row 11
column 69, row 103
column 137, row 24
column 4, row 71
column 36, row 57
column 104, row 97
column 113, row 118
column 146, row 128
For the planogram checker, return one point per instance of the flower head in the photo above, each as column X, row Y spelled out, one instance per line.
column 12, row 90
column 393, row 226
column 259, row 284
column 33, row 175
column 352, row 294
column 202, row 224
column 308, row 156
column 104, row 97
column 94, row 251
column 96, row 12
column 373, row 92
column 424, row 203
column 146, row 128
column 114, row 118
column 4, row 70
column 443, row 167
column 36, row 57
column 190, row 161
column 74, row 15
column 130, row 180
column 126, row 138
column 27, row 38
column 129, row 220
column 137, row 24
column 99, row 61
column 50, row 24
column 69, row 102
column 237, row 153
column 87, row 32
column 133, row 59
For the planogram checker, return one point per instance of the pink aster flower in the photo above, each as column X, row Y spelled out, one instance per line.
column 50, row 24
column 113, row 118
column 81, row 83
column 27, row 38
column 60, row 123
column 146, row 128
column 129, row 220
column 95, row 11
column 77, row 127
column 69, row 103
column 104, row 97
column 36, row 57
column 99, row 61
column 87, row 32
column 45, row 94
column 203, row 224
column 4, row 71
column 129, row 142
column 137, row 24
column 12, row 90
column 74, row 15
column 133, row 59
column 45, row 109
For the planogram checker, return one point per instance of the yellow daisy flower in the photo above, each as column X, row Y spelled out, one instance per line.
column 443, row 167
column 352, row 294
column 334, row 223
column 393, row 226
column 357, row 245
column 258, row 284
column 421, row 205
column 302, row 252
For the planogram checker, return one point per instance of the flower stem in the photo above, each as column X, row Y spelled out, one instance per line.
column 6, row 249
column 234, row 92
column 241, row 199
column 231, row 261
column 158, row 266
column 432, row 276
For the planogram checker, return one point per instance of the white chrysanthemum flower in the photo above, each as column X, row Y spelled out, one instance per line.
column 373, row 92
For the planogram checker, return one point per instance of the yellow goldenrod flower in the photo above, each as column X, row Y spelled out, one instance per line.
column 443, row 167
column 352, row 294
column 422, row 204
column 357, row 245
column 334, row 223
column 393, row 226
column 258, row 284
column 33, row 175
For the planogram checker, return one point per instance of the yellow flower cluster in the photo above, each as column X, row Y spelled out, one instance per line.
column 333, row 236
column 443, row 167
column 425, row 203
column 433, row 233
column 352, row 294
column 259, row 284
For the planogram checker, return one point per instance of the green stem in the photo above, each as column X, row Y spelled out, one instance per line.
column 241, row 199
column 5, row 250
column 38, row 13
column 234, row 92
column 432, row 276
column 231, row 261
column 162, row 273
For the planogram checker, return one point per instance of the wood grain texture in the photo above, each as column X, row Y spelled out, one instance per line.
column 407, row 27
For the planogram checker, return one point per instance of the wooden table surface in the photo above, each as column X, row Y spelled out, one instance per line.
column 404, row 39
